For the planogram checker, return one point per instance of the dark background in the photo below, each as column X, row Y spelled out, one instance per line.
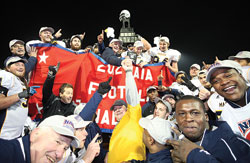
column 200, row 31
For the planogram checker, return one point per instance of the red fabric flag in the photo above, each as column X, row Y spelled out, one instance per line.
column 85, row 72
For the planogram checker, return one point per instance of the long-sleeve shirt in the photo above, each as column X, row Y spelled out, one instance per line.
column 110, row 57
column 126, row 141
column 15, row 150
column 52, row 105
column 221, row 145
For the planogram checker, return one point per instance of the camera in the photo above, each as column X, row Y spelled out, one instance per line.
column 132, row 56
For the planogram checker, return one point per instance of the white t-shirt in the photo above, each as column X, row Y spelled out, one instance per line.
column 171, row 54
column 28, row 44
column 12, row 119
column 238, row 119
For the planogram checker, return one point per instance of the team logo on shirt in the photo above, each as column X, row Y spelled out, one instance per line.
column 244, row 127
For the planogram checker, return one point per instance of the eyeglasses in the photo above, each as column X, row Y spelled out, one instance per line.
column 117, row 108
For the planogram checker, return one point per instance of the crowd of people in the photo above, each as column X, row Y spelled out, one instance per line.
column 204, row 116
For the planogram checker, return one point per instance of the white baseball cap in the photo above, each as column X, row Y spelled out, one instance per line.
column 167, row 104
column 138, row 44
column 202, row 72
column 196, row 66
column 223, row 64
column 13, row 42
column 116, row 40
column 78, row 121
column 151, row 87
column 46, row 29
column 61, row 125
column 74, row 36
column 13, row 59
column 158, row 128
column 240, row 55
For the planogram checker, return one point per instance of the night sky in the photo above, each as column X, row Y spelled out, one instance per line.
column 199, row 31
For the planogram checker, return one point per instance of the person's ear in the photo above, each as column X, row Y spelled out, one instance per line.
column 206, row 117
column 151, row 140
column 34, row 134
column 60, row 95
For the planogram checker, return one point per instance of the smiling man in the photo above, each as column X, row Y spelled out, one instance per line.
column 53, row 105
column 110, row 54
column 14, row 94
column 227, row 80
column 119, row 107
column 201, row 141
column 46, row 35
column 46, row 143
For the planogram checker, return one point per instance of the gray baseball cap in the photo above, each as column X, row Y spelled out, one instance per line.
column 223, row 64
column 13, row 59
column 167, row 104
column 240, row 55
column 119, row 102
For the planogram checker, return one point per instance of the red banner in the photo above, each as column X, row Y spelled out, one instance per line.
column 85, row 71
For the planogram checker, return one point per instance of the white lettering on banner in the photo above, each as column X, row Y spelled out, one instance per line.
column 97, row 115
column 149, row 75
column 118, row 71
column 141, row 99
column 122, row 90
column 114, row 122
column 113, row 70
column 105, row 117
column 92, row 88
column 112, row 94
column 99, row 68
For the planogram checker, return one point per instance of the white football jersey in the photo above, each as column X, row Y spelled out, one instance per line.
column 12, row 119
column 238, row 119
column 216, row 103
column 171, row 54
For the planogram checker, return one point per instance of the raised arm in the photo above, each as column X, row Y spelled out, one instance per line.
column 132, row 96
column 49, row 82
column 90, row 108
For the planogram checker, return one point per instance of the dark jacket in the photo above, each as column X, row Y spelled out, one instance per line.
column 110, row 57
column 11, row 152
column 92, row 129
column 221, row 145
column 148, row 108
column 52, row 105
column 30, row 65
column 163, row 156
column 90, row 108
